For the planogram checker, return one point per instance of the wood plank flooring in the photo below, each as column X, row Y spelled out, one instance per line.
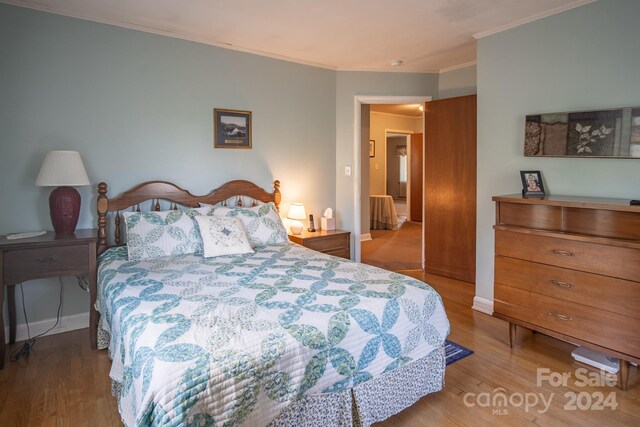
column 64, row 383
column 395, row 249
column 496, row 366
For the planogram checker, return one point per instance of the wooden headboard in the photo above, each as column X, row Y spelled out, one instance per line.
column 157, row 191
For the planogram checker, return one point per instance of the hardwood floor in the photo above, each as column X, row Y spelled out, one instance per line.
column 494, row 365
column 64, row 383
column 395, row 249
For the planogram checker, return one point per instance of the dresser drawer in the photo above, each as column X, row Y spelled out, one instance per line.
column 607, row 293
column 28, row 264
column 532, row 216
column 599, row 327
column 611, row 261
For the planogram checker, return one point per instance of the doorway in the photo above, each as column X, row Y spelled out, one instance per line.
column 361, row 159
column 393, row 238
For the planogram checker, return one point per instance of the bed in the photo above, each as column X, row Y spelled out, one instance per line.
column 281, row 335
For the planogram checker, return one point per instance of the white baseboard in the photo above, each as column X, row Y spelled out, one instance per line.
column 483, row 305
column 67, row 323
column 365, row 237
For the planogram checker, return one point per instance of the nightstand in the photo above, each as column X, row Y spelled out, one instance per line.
column 332, row 242
column 48, row 255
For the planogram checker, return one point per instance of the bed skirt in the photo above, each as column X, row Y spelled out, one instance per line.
column 372, row 401
column 362, row 405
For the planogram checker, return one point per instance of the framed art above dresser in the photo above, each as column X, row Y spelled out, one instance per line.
column 569, row 267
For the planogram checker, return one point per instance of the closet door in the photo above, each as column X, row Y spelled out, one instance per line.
column 450, row 188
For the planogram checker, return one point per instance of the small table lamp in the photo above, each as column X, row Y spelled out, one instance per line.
column 63, row 169
column 297, row 213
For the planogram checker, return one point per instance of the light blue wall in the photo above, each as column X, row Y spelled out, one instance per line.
column 350, row 84
column 585, row 58
column 460, row 82
column 139, row 107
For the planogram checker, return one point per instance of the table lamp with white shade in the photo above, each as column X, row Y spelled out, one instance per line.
column 63, row 169
column 297, row 213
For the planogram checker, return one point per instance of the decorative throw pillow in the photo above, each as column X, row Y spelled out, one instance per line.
column 223, row 236
column 262, row 223
column 158, row 234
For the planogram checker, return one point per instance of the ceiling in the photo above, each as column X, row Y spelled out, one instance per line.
column 363, row 35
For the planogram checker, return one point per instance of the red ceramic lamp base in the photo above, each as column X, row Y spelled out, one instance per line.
column 64, row 208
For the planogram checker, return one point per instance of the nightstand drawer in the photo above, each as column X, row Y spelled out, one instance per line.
column 328, row 243
column 342, row 253
column 28, row 264
column 332, row 242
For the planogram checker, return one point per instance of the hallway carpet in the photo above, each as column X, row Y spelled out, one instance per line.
column 395, row 250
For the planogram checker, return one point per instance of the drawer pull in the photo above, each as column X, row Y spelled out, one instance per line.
column 559, row 316
column 48, row 259
column 561, row 284
column 562, row 252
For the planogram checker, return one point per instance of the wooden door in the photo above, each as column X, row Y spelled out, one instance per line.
column 415, row 213
column 450, row 188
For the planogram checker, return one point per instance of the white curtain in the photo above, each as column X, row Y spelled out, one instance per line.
column 402, row 191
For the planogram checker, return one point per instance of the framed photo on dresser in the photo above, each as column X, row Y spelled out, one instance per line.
column 532, row 184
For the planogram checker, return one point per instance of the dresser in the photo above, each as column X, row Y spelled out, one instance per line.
column 569, row 267
column 332, row 242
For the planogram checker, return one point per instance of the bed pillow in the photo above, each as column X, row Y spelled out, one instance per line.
column 262, row 223
column 163, row 233
column 223, row 236
column 207, row 205
column 206, row 210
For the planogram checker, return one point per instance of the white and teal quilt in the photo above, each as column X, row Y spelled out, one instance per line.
column 235, row 340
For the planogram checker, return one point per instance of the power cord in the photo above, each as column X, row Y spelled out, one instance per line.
column 24, row 350
column 82, row 282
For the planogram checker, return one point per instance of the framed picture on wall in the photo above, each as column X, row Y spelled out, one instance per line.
column 231, row 128
column 372, row 148
column 532, row 184
column 611, row 133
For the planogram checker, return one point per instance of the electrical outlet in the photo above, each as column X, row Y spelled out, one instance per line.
column 347, row 170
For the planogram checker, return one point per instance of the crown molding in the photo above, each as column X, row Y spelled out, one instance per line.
column 391, row 70
column 532, row 18
column 458, row 67
column 204, row 40
column 197, row 39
